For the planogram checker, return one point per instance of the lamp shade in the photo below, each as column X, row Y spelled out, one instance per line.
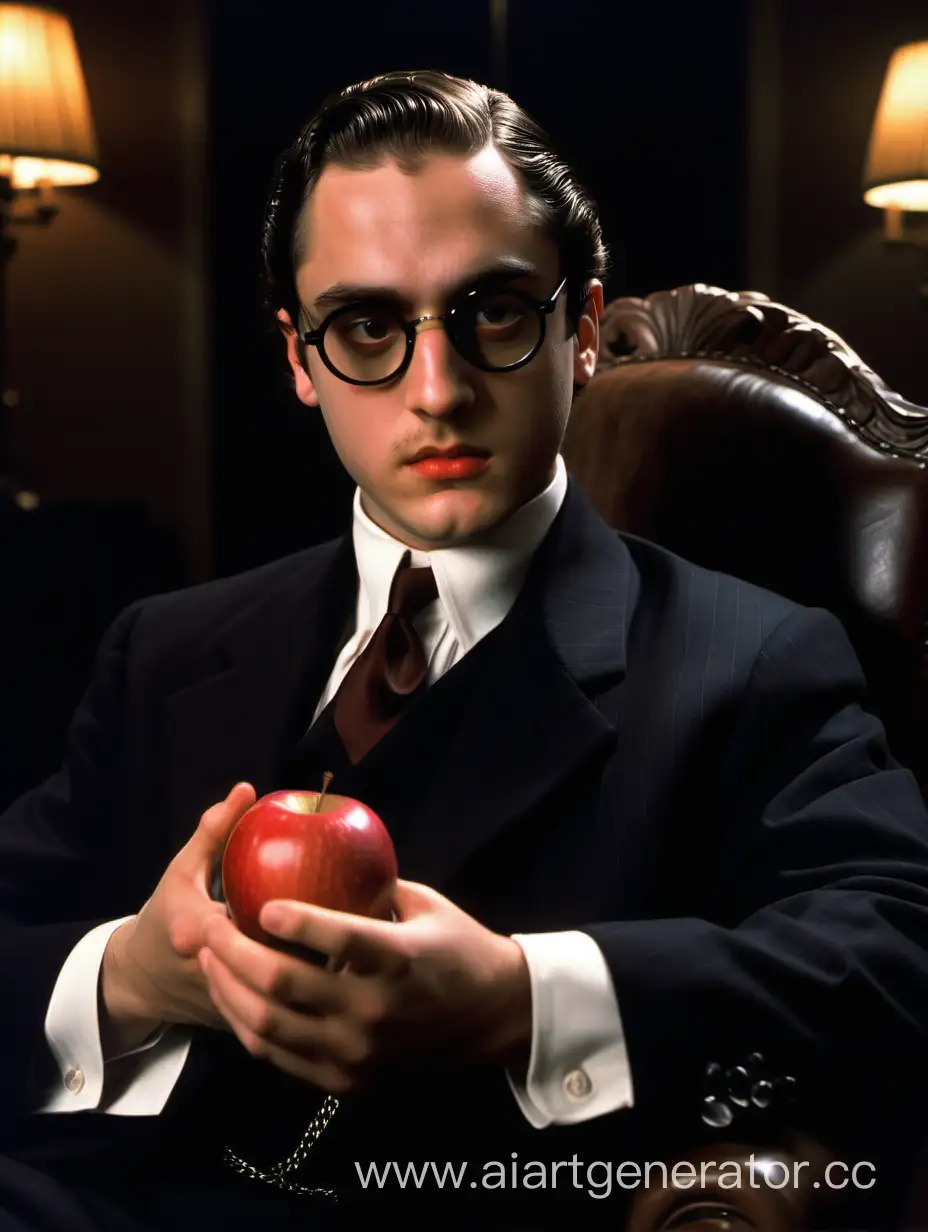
column 896, row 176
column 46, row 128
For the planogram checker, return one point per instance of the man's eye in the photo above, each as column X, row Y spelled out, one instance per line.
column 371, row 327
column 498, row 312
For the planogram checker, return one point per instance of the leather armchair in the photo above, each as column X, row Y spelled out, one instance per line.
column 748, row 438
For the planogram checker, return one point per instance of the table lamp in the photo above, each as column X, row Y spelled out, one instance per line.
column 47, row 140
column 896, row 174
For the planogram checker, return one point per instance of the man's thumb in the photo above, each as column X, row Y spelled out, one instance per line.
column 217, row 822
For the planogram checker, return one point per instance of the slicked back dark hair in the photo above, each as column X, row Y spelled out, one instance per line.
column 406, row 116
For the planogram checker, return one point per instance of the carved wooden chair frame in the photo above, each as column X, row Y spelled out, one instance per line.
column 747, row 327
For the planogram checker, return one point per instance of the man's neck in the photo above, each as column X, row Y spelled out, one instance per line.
column 373, row 512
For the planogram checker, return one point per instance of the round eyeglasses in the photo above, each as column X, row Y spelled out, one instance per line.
column 496, row 330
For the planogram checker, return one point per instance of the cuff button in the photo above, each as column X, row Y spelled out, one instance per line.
column 74, row 1080
column 577, row 1084
column 716, row 1114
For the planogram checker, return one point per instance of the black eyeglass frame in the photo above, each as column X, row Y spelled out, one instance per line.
column 542, row 308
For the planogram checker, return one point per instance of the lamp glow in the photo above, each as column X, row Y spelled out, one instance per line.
column 896, row 176
column 46, row 128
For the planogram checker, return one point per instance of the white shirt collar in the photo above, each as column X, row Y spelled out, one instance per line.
column 477, row 583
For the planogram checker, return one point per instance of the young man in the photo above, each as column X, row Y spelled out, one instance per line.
column 645, row 826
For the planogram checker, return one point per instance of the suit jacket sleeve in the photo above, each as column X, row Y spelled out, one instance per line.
column 815, row 951
column 68, row 863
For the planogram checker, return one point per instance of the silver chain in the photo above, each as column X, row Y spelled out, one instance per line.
column 279, row 1172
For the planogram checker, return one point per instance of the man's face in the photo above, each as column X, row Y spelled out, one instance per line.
column 426, row 237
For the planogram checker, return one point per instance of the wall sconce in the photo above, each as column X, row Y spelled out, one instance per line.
column 47, row 140
column 896, row 175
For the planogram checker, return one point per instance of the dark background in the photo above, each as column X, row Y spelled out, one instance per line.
column 724, row 143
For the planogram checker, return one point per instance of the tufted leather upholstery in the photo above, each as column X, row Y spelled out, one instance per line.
column 745, row 437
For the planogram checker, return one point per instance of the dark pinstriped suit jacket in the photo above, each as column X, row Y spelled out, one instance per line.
column 675, row 761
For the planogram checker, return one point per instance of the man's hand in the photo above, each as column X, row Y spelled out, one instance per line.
column 150, row 974
column 431, row 985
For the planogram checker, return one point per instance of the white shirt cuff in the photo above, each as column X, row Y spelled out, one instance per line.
column 579, row 1066
column 135, row 1085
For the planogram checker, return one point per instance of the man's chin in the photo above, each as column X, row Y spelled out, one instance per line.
column 430, row 538
column 448, row 525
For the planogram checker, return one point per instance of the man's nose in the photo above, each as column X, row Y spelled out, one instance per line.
column 437, row 381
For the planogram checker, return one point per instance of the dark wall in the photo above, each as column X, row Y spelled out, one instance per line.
column 828, row 256
column 107, row 352
column 107, row 305
column 649, row 104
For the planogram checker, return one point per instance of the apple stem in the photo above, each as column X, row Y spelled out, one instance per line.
column 326, row 780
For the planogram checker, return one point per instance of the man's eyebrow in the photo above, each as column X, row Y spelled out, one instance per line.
column 349, row 292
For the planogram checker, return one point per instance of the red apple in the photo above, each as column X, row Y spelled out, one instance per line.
column 328, row 850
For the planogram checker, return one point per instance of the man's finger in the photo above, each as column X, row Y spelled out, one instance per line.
column 281, row 978
column 268, row 1029
column 349, row 940
column 208, row 840
column 413, row 899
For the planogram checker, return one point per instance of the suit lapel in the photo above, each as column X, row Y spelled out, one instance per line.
column 258, row 680
column 531, row 722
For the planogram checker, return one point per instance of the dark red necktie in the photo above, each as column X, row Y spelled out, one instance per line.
column 392, row 668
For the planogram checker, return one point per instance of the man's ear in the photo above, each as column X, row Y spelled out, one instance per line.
column 302, row 382
column 586, row 344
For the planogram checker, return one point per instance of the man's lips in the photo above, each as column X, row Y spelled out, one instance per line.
column 456, row 465
column 452, row 451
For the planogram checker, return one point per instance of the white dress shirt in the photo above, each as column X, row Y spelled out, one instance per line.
column 578, row 1066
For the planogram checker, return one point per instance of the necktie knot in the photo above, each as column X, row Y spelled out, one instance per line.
column 392, row 668
column 412, row 590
